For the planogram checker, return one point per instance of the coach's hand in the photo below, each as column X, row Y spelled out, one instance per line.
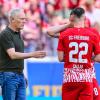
column 39, row 54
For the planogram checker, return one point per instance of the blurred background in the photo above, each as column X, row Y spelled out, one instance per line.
column 45, row 75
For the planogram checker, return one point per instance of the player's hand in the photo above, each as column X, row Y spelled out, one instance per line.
column 69, row 22
column 39, row 54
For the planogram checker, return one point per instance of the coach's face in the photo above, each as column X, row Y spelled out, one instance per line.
column 19, row 20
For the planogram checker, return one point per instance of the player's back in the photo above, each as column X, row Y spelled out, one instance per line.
column 79, row 44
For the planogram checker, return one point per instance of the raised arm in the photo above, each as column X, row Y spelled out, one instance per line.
column 54, row 31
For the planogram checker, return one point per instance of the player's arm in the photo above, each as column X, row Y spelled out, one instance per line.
column 61, row 56
column 54, row 31
column 60, row 49
column 96, row 56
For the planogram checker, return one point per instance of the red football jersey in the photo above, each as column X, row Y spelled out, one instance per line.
column 78, row 45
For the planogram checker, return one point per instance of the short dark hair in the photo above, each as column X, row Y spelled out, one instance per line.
column 78, row 12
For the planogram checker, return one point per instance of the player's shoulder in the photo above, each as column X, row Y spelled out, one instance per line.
column 67, row 31
column 93, row 30
column 93, row 33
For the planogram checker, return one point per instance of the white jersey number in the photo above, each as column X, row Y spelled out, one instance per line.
column 76, row 51
column 96, row 91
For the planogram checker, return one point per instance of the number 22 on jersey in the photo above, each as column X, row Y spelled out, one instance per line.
column 78, row 52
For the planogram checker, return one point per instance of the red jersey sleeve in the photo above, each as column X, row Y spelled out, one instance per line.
column 96, row 45
column 60, row 43
column 96, row 41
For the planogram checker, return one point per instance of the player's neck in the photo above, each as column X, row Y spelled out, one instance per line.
column 79, row 25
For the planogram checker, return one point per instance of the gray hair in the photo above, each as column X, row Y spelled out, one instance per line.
column 14, row 12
